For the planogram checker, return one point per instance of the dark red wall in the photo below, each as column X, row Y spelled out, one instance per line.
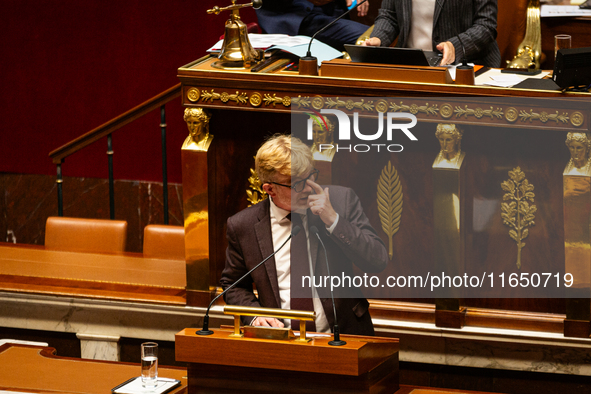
column 67, row 67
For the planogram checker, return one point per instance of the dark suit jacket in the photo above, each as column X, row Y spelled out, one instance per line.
column 353, row 241
column 286, row 16
column 474, row 21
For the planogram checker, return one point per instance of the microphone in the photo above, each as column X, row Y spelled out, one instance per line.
column 309, row 64
column 205, row 330
column 337, row 335
column 464, row 72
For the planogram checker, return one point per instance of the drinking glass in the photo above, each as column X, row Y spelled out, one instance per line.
column 561, row 41
column 149, row 364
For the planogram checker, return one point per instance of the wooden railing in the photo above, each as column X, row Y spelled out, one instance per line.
column 106, row 129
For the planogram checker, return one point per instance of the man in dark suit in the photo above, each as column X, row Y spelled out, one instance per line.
column 306, row 17
column 443, row 25
column 284, row 166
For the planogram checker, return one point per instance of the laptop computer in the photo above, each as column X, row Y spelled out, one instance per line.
column 393, row 55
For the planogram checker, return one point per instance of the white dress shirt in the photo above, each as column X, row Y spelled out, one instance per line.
column 421, row 25
column 281, row 229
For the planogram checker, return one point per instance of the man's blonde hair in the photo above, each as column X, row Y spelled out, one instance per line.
column 283, row 155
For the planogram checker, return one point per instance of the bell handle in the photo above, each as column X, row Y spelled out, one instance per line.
column 256, row 4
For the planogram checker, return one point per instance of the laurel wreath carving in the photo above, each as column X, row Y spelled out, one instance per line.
column 256, row 193
column 518, row 214
column 390, row 203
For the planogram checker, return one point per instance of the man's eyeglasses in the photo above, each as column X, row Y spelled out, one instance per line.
column 301, row 185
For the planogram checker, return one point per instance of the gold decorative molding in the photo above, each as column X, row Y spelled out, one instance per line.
column 511, row 114
column 390, row 203
column 193, row 95
column 273, row 99
column 301, row 102
column 256, row 193
column 444, row 110
column 518, row 214
column 318, row 102
column 240, row 98
column 478, row 112
column 577, row 119
column 543, row 116
column 255, row 99
column 415, row 109
column 350, row 104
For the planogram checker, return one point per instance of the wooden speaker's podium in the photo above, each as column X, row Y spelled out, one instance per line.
column 219, row 363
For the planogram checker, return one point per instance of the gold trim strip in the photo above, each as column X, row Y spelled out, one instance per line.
column 445, row 111
column 97, row 281
column 269, row 312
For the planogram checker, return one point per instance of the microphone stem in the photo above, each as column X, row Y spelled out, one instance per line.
column 206, row 317
column 337, row 334
column 309, row 53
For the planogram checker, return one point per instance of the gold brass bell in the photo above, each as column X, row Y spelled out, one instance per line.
column 237, row 51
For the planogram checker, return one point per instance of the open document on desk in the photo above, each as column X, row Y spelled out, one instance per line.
column 548, row 11
column 297, row 45
column 494, row 77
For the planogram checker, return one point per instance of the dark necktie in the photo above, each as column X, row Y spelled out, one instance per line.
column 300, row 266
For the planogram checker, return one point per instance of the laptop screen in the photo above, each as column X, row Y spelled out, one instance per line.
column 391, row 55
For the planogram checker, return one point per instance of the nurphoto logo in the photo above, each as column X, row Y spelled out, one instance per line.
column 392, row 123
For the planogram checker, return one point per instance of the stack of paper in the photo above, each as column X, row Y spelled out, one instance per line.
column 298, row 45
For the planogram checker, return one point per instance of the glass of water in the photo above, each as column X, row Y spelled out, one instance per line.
column 561, row 41
column 149, row 364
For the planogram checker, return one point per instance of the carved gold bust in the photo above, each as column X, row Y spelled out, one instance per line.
column 197, row 120
column 579, row 146
column 450, row 140
column 322, row 136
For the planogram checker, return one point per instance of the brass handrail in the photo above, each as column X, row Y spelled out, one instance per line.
column 58, row 155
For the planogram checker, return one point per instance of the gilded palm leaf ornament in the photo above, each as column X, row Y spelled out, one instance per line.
column 390, row 203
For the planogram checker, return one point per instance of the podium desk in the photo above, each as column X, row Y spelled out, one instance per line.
column 219, row 364
column 34, row 369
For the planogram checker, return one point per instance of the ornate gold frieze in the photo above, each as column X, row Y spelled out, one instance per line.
column 519, row 212
column 478, row 112
column 390, row 203
column 273, row 99
column 240, row 98
column 543, row 116
column 414, row 108
column 350, row 104
column 445, row 110
column 301, row 102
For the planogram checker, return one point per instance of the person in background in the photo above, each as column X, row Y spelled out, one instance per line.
column 441, row 25
column 302, row 17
